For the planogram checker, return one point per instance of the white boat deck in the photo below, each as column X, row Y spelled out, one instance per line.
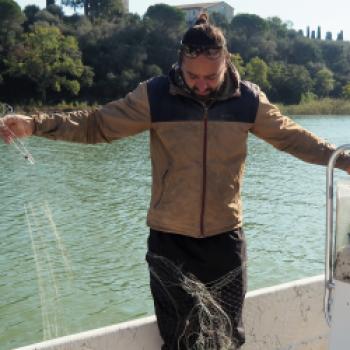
column 284, row 317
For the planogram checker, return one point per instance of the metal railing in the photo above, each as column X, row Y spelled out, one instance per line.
column 330, row 237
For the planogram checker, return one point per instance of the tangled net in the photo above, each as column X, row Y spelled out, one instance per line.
column 212, row 311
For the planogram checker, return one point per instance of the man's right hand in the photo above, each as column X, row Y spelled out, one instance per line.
column 15, row 125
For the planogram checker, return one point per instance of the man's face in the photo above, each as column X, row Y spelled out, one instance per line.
column 203, row 75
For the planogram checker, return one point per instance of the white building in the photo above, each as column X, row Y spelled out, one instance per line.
column 126, row 5
column 192, row 11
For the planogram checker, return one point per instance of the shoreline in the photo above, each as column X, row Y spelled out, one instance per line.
column 321, row 107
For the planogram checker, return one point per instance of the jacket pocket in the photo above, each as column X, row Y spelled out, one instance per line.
column 162, row 190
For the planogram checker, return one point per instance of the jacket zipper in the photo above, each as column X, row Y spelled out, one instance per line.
column 204, row 174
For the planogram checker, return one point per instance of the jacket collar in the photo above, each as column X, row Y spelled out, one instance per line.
column 228, row 89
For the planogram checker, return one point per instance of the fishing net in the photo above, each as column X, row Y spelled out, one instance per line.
column 52, row 266
column 195, row 315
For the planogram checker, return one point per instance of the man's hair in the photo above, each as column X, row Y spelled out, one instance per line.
column 203, row 34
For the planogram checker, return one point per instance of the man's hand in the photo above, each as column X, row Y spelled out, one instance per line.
column 15, row 125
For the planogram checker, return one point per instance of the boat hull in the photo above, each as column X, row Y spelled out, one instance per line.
column 283, row 317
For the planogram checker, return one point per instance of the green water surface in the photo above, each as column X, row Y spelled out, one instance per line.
column 73, row 233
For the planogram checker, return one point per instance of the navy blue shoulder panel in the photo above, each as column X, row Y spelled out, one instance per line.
column 165, row 107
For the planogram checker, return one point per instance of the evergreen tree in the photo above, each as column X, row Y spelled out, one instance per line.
column 319, row 33
column 340, row 36
column 308, row 31
column 329, row 36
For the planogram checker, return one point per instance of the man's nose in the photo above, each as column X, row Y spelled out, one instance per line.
column 201, row 85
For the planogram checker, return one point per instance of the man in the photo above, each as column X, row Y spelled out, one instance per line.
column 199, row 118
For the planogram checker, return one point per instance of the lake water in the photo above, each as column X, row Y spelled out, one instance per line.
column 73, row 233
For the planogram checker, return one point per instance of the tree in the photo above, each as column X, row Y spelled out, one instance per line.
column 55, row 10
column 44, row 17
column 276, row 27
column 74, row 3
column 11, row 17
column 257, row 72
column 346, row 91
column 49, row 59
column 335, row 56
column 308, row 31
column 289, row 82
column 237, row 61
column 30, row 12
column 304, row 51
column 106, row 8
column 248, row 24
column 165, row 25
column 319, row 33
column 166, row 17
column 219, row 20
column 95, row 9
column 118, row 57
column 329, row 36
column 324, row 82
column 340, row 36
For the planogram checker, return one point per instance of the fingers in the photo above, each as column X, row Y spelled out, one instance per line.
column 12, row 126
column 6, row 137
column 5, row 133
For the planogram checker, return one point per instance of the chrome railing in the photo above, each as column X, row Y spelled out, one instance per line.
column 330, row 236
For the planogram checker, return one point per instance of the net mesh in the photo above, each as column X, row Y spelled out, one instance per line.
column 195, row 315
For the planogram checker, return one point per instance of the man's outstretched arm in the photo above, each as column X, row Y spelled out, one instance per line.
column 124, row 117
column 286, row 135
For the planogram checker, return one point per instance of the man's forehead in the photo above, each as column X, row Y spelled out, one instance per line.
column 203, row 67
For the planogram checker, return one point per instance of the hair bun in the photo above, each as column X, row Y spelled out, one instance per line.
column 202, row 19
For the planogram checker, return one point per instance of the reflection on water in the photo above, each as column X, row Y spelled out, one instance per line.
column 73, row 233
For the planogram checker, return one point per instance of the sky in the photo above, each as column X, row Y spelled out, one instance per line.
column 330, row 15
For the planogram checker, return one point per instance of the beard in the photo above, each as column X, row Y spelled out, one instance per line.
column 208, row 93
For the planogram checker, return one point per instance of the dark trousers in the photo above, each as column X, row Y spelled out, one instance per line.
column 218, row 263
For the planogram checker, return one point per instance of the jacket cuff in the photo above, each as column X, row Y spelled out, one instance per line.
column 343, row 162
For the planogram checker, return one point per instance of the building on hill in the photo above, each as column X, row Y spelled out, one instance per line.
column 126, row 5
column 192, row 11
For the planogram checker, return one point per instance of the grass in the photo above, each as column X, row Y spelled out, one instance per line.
column 325, row 106
column 61, row 107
